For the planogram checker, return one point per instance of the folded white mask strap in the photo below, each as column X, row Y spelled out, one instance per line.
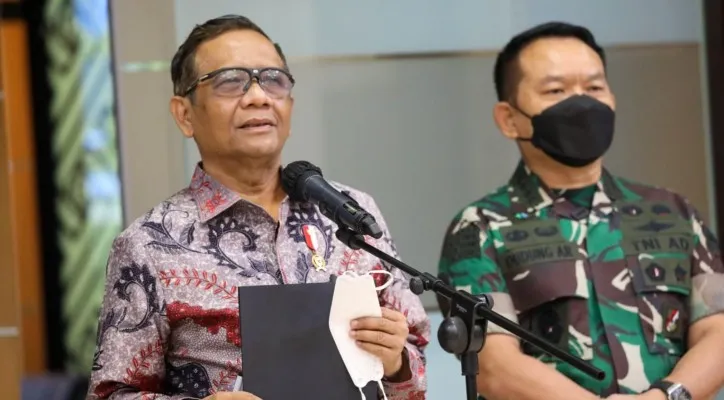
column 386, row 284
column 382, row 389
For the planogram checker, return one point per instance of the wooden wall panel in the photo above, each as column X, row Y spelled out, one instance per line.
column 11, row 364
column 19, row 241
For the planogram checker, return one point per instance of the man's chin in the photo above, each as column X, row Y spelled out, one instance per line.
column 258, row 154
column 257, row 147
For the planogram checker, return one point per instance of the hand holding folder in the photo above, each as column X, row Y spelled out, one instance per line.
column 289, row 349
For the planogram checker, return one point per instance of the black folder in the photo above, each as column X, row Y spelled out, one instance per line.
column 287, row 348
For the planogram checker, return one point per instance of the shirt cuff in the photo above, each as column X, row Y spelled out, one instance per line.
column 413, row 388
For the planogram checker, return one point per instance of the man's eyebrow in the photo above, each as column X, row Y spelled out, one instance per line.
column 596, row 76
column 552, row 78
column 559, row 78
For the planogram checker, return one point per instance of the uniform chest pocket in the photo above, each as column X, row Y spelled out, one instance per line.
column 658, row 254
column 662, row 286
column 546, row 278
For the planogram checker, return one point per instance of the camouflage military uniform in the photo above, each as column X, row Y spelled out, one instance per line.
column 605, row 272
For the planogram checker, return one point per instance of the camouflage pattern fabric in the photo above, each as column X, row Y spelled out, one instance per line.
column 608, row 273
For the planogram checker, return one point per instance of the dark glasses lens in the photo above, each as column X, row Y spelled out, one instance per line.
column 236, row 82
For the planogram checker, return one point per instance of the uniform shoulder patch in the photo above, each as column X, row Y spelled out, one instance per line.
column 463, row 244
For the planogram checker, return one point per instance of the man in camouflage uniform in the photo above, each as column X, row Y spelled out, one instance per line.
column 623, row 275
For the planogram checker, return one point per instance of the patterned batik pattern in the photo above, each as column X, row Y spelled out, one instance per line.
column 169, row 325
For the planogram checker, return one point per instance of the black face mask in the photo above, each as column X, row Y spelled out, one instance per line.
column 575, row 132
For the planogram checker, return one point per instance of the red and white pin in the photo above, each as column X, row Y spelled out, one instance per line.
column 672, row 321
column 312, row 236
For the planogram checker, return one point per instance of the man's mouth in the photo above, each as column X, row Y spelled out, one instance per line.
column 257, row 123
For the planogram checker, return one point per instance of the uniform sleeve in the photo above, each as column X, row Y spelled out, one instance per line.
column 469, row 262
column 707, row 274
column 132, row 332
column 398, row 296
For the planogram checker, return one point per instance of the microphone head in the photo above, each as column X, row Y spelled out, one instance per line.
column 294, row 174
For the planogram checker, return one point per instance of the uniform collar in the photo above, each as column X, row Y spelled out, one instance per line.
column 529, row 194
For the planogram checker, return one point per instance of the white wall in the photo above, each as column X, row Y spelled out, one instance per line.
column 345, row 27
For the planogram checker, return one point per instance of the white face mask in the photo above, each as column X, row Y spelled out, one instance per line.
column 355, row 296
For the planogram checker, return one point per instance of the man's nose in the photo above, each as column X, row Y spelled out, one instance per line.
column 579, row 89
column 255, row 95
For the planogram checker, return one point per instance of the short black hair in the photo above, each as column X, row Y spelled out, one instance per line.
column 507, row 72
column 183, row 65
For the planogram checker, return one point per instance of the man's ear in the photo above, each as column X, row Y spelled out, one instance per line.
column 180, row 108
column 503, row 114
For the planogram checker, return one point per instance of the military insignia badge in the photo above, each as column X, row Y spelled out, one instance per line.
column 312, row 237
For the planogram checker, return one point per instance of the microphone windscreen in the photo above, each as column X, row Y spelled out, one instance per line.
column 293, row 174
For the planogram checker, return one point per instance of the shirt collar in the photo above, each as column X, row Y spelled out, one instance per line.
column 529, row 193
column 211, row 197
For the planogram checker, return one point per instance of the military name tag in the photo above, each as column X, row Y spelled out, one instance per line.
column 669, row 243
column 561, row 251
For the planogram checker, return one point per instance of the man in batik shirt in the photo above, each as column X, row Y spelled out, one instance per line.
column 169, row 326
column 623, row 275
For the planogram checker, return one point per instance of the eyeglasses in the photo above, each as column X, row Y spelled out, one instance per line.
column 236, row 81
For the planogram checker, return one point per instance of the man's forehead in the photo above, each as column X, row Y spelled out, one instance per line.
column 240, row 48
column 559, row 57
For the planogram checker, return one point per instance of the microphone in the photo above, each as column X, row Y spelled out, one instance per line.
column 303, row 181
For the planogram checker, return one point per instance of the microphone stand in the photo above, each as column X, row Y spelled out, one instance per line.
column 463, row 332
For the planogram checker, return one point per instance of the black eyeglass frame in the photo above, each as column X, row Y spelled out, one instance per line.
column 254, row 73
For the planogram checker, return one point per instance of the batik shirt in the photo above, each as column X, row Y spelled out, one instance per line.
column 614, row 273
column 169, row 323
